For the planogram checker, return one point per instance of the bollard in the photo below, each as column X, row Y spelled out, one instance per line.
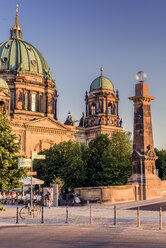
column 90, row 214
column 115, row 216
column 138, row 216
column 17, row 216
column 67, row 214
column 42, row 215
column 160, row 219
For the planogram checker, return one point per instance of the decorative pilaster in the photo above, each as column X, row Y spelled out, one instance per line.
column 30, row 101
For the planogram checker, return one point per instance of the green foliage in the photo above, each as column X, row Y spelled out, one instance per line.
column 73, row 170
column 2, row 208
column 109, row 160
column 59, row 181
column 161, row 163
column 64, row 160
column 9, row 172
column 104, row 162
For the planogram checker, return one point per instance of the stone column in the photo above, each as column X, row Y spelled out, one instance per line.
column 104, row 106
column 30, row 101
column 143, row 156
column 40, row 102
column 23, row 99
column 17, row 96
column 106, row 102
column 142, row 118
column 46, row 103
column 55, row 195
column 117, row 108
column 55, row 109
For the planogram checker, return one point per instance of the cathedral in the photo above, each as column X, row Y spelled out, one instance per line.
column 28, row 96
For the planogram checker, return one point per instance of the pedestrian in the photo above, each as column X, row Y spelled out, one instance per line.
column 49, row 194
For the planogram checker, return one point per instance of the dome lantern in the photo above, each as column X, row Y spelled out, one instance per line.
column 16, row 31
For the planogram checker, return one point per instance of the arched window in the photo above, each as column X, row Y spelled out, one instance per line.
column 109, row 108
column 20, row 97
column 114, row 109
column 12, row 101
column 41, row 103
column 26, row 100
column 97, row 107
column 93, row 109
column 37, row 102
column 101, row 106
column 89, row 110
column 33, row 106
column 2, row 106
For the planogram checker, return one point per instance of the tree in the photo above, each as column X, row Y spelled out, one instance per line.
column 64, row 160
column 73, row 169
column 161, row 163
column 9, row 172
column 59, row 181
column 109, row 160
column 104, row 162
column 94, row 165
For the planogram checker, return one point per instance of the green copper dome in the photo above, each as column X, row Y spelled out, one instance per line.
column 101, row 82
column 3, row 84
column 17, row 56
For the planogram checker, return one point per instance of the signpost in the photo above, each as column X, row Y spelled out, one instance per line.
column 28, row 163
column 24, row 162
column 34, row 155
column 37, row 156
column 31, row 173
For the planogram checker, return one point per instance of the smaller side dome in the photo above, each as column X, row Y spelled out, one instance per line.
column 102, row 82
column 3, row 84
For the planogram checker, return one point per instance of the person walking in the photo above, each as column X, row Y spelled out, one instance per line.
column 49, row 193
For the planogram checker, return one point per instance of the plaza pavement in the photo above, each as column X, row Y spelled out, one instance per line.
column 102, row 215
column 79, row 236
column 79, row 233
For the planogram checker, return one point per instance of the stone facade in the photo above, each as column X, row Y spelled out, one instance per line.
column 40, row 134
column 5, row 101
column 28, row 96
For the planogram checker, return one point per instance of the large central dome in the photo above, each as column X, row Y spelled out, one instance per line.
column 18, row 56
column 32, row 89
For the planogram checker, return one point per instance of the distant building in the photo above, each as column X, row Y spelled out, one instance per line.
column 28, row 96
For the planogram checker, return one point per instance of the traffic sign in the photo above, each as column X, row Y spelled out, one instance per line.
column 37, row 156
column 31, row 173
column 24, row 162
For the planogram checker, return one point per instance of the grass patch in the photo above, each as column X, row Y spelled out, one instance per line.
column 2, row 208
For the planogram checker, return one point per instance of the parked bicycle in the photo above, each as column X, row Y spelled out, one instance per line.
column 30, row 212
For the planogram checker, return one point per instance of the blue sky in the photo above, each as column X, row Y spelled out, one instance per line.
column 76, row 37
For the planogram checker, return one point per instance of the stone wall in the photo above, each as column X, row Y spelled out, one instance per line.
column 108, row 194
column 117, row 194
